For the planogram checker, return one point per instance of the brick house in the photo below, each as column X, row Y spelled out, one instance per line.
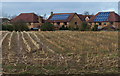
column 65, row 19
column 32, row 20
column 105, row 20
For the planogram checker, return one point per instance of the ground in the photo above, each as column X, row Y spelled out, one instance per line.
column 59, row 52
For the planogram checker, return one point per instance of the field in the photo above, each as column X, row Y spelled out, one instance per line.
column 59, row 52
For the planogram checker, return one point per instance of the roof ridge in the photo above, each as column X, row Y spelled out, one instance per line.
column 62, row 13
column 107, row 11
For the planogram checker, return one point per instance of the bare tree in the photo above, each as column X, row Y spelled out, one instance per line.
column 86, row 13
column 13, row 16
column 44, row 16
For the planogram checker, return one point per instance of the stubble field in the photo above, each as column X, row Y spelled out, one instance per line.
column 59, row 52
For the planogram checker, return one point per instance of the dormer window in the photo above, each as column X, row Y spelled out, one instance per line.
column 87, row 18
column 75, row 23
column 65, row 23
column 58, row 23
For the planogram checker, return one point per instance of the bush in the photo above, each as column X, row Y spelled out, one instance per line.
column 64, row 28
column 16, row 26
column 20, row 26
column 7, row 27
column 84, row 27
column 95, row 28
column 47, row 27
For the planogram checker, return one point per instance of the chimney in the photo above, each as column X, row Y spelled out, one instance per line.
column 51, row 13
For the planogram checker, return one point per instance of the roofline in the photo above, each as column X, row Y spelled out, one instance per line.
column 28, row 13
column 62, row 13
column 107, row 11
column 103, row 21
column 61, row 20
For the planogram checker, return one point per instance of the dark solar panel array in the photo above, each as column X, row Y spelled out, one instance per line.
column 60, row 17
column 103, row 16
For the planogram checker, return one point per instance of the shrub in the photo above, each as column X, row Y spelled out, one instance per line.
column 47, row 27
column 63, row 28
column 20, row 26
column 95, row 28
column 84, row 27
column 16, row 26
column 7, row 27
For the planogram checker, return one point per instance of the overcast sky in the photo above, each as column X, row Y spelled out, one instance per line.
column 60, row 0
column 41, row 8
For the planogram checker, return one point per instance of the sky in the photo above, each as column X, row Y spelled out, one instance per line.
column 59, row 0
column 41, row 8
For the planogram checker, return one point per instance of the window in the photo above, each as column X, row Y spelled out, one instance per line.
column 29, row 23
column 90, row 23
column 58, row 23
column 111, row 23
column 99, row 23
column 65, row 23
column 104, row 23
column 75, row 23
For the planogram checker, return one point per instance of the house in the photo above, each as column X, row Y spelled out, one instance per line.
column 32, row 20
column 4, row 21
column 105, row 20
column 65, row 19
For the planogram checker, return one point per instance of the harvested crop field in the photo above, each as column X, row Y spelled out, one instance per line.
column 59, row 52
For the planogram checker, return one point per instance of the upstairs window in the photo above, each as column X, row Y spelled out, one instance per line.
column 65, row 23
column 105, row 23
column 58, row 23
column 75, row 23
column 99, row 23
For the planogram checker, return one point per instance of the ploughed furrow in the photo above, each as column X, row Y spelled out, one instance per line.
column 32, row 44
column 33, row 41
column 5, row 50
column 43, row 54
column 2, row 38
column 70, row 43
column 26, row 43
column 10, row 39
column 48, row 43
column 60, row 43
column 42, row 46
column 93, row 39
column 2, row 34
column 100, row 43
column 108, row 34
column 13, row 49
column 100, row 35
column 20, row 43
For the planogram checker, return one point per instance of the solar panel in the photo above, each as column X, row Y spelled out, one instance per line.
column 103, row 16
column 60, row 17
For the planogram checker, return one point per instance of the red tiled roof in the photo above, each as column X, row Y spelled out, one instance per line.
column 113, row 17
column 82, row 17
column 67, row 20
column 26, row 17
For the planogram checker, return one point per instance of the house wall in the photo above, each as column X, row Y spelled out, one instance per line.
column 117, row 24
column 102, row 24
column 33, row 25
column 73, row 21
